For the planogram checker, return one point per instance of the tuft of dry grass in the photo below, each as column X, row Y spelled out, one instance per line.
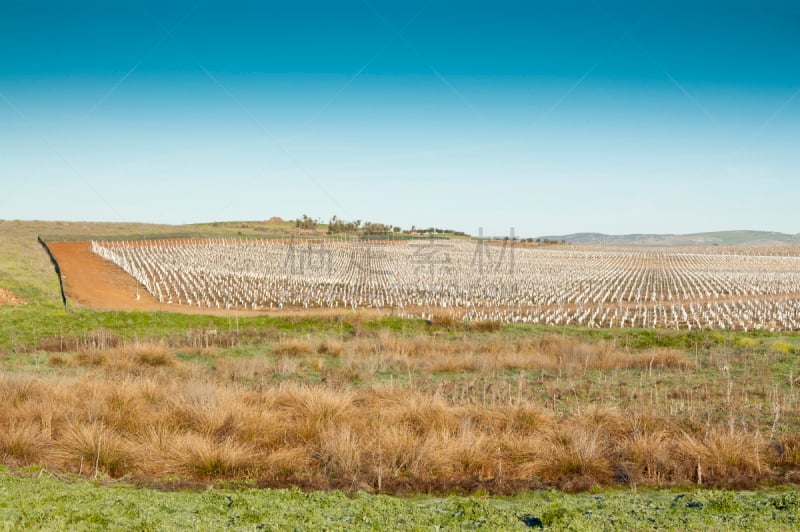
column 91, row 357
column 132, row 358
column 123, row 407
column 394, row 451
column 311, row 410
column 293, row 347
column 330, row 347
column 152, row 354
column 788, row 450
column 468, row 453
column 93, row 448
column 573, row 451
column 207, row 457
column 668, row 358
column 419, row 413
column 648, row 457
column 340, row 452
column 153, row 447
column 56, row 361
column 23, row 443
column 722, row 455
column 290, row 463
column 17, row 390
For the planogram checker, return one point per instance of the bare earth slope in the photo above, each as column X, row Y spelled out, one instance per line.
column 93, row 282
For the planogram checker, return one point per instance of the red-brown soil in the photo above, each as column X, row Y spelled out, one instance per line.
column 91, row 281
column 7, row 297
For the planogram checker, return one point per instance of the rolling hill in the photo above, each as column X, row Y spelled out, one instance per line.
column 719, row 238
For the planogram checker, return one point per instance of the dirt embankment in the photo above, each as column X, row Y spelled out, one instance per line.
column 91, row 281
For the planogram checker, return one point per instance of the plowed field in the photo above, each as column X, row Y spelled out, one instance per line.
column 93, row 282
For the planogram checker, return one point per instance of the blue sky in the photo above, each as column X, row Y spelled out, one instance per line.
column 547, row 116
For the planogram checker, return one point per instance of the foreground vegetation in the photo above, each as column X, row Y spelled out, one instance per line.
column 43, row 502
column 395, row 406
column 371, row 405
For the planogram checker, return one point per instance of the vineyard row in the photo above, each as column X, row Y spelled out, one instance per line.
column 471, row 280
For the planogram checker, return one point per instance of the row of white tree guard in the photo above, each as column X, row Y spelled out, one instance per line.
column 735, row 288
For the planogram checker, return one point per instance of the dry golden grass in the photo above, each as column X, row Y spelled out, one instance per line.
column 294, row 347
column 213, row 430
column 126, row 358
column 574, row 450
column 788, row 451
column 720, row 453
column 22, row 443
column 505, row 412
column 208, row 457
column 287, row 464
column 648, row 457
column 93, row 448
column 423, row 353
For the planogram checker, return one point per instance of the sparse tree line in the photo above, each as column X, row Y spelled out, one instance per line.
column 338, row 226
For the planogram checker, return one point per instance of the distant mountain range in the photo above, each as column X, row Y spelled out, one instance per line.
column 719, row 238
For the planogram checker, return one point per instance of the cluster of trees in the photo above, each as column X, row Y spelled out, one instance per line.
column 543, row 241
column 305, row 222
column 336, row 225
column 371, row 228
column 437, row 230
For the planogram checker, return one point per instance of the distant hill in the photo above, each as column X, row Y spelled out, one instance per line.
column 719, row 238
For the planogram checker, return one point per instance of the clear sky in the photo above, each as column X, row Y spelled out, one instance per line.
column 551, row 117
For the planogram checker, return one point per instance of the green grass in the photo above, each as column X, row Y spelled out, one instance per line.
column 30, row 327
column 43, row 502
column 33, row 326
